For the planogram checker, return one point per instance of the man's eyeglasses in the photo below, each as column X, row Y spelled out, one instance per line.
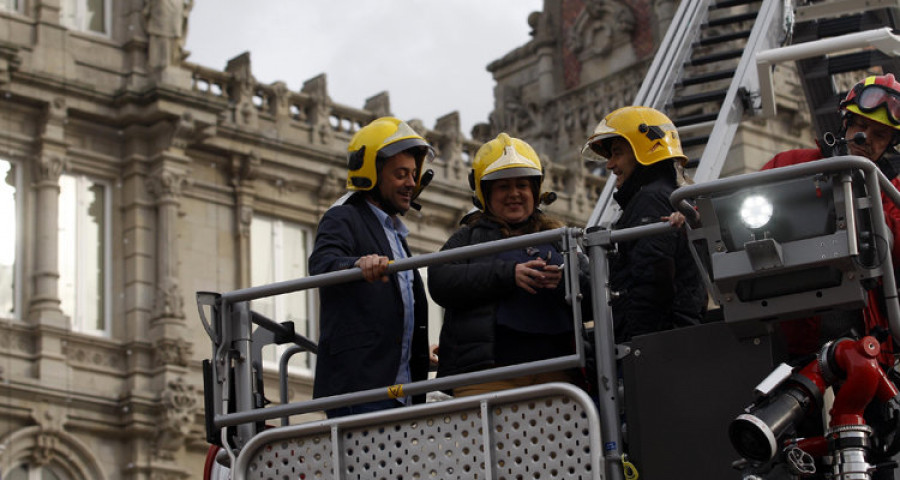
column 872, row 97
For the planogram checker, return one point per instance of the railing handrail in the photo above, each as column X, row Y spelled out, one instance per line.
column 825, row 165
column 416, row 261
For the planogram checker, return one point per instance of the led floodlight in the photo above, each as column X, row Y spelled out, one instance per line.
column 756, row 211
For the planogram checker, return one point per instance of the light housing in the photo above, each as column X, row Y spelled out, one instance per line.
column 806, row 254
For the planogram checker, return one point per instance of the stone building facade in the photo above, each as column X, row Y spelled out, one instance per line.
column 134, row 178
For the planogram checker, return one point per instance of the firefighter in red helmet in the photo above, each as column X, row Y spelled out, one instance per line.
column 870, row 128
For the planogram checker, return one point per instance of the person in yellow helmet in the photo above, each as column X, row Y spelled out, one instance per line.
column 658, row 285
column 510, row 307
column 372, row 333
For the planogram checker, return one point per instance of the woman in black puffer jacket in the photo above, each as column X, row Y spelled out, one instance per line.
column 510, row 307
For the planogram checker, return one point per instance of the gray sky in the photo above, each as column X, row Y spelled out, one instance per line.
column 430, row 55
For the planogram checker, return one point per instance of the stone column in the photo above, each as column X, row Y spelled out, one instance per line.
column 244, row 169
column 165, row 184
column 44, row 312
column 44, row 305
column 168, row 332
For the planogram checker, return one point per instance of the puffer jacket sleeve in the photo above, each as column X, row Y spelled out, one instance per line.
column 469, row 283
column 652, row 266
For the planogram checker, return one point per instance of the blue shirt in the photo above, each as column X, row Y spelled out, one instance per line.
column 396, row 231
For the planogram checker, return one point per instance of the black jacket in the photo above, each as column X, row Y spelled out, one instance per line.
column 361, row 323
column 471, row 292
column 658, row 281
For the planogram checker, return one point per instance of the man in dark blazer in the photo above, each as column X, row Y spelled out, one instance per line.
column 372, row 333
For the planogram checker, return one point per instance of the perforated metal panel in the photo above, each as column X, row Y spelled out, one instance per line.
column 297, row 458
column 546, row 432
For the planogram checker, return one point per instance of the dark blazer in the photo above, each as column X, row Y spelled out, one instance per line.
column 361, row 323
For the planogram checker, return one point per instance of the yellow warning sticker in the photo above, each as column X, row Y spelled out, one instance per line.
column 395, row 391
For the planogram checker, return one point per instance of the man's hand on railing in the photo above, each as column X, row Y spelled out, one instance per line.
column 373, row 267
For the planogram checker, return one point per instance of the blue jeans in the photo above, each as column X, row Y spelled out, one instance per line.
column 363, row 408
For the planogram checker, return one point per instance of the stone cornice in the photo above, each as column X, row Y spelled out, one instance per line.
column 521, row 53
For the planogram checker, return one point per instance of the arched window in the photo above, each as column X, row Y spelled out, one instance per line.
column 28, row 453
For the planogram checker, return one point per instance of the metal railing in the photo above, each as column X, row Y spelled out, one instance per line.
column 230, row 322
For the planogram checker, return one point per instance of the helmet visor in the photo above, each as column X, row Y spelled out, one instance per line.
column 874, row 96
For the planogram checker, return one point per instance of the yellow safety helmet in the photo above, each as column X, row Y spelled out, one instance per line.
column 382, row 138
column 650, row 133
column 503, row 157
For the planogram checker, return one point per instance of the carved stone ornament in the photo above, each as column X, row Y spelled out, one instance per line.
column 56, row 110
column 600, row 27
column 179, row 406
column 50, row 167
column 169, row 303
column 333, row 185
column 172, row 351
column 184, row 130
column 245, row 219
column 245, row 167
column 166, row 24
column 167, row 184
column 50, row 419
column 282, row 97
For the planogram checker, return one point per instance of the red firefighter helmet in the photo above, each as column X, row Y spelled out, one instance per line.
column 876, row 98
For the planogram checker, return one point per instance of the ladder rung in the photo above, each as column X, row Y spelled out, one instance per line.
column 744, row 17
column 694, row 141
column 715, row 39
column 713, row 96
column 682, row 122
column 707, row 77
column 731, row 3
column 716, row 57
column 834, row 27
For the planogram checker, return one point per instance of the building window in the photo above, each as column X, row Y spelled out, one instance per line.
column 26, row 472
column 279, row 250
column 86, row 15
column 10, row 245
column 84, row 255
column 10, row 5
